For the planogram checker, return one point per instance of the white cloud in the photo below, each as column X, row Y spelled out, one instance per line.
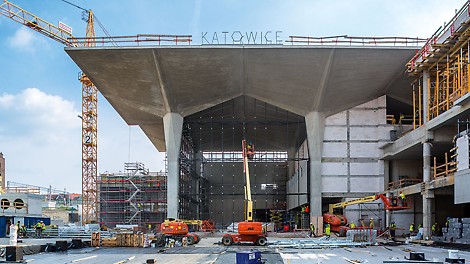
column 37, row 107
column 6, row 100
column 26, row 39
column 40, row 138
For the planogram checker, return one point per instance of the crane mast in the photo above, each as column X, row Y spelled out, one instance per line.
column 89, row 100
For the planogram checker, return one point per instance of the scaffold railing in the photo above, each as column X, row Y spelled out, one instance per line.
column 236, row 156
column 345, row 40
column 137, row 40
column 442, row 35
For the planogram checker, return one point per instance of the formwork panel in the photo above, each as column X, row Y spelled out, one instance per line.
column 337, row 119
column 364, row 150
column 369, row 168
column 364, row 133
column 335, row 150
column 366, row 184
column 335, row 133
column 334, row 168
column 334, row 184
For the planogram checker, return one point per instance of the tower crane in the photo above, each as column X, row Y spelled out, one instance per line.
column 63, row 34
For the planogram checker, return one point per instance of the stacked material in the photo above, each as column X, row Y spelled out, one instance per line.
column 119, row 240
column 454, row 231
column 360, row 235
column 465, row 239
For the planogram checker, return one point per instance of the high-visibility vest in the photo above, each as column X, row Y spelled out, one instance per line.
column 312, row 227
column 433, row 228
column 412, row 228
column 327, row 230
column 352, row 225
column 402, row 195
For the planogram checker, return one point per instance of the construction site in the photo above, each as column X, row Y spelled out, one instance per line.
column 309, row 149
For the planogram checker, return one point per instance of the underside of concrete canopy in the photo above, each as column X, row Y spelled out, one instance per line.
column 145, row 83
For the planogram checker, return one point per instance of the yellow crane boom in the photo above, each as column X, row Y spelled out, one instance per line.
column 89, row 99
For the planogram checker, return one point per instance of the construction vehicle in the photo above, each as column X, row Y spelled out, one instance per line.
column 176, row 230
column 248, row 231
column 338, row 222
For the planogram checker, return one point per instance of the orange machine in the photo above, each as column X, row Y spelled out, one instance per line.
column 177, row 230
column 338, row 222
column 248, row 231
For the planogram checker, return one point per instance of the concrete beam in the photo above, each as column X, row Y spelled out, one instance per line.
column 173, row 126
column 315, row 123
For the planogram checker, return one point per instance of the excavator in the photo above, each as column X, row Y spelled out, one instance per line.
column 248, row 231
column 177, row 230
column 338, row 222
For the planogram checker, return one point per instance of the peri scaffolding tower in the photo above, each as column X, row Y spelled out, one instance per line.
column 136, row 196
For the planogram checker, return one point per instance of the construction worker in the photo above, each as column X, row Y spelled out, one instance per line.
column 250, row 151
column 22, row 231
column 403, row 198
column 38, row 228
column 447, row 222
column 327, row 230
column 312, row 230
column 412, row 228
column 352, row 225
column 419, row 226
column 434, row 229
column 393, row 228
column 371, row 223
column 43, row 228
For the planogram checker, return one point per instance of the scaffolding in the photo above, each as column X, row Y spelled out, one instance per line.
column 135, row 196
column 441, row 69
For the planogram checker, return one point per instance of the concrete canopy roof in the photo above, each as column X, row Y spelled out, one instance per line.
column 145, row 83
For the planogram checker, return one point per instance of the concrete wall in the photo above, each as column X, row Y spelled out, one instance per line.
column 33, row 204
column 462, row 182
column 350, row 162
column 351, row 151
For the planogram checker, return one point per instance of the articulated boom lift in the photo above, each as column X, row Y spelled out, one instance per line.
column 338, row 222
column 248, row 231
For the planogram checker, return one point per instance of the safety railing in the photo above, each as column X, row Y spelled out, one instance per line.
column 441, row 35
column 403, row 183
column 346, row 40
column 137, row 40
column 449, row 166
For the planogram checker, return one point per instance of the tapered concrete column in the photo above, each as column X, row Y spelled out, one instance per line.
column 173, row 126
column 428, row 195
column 315, row 123
column 425, row 99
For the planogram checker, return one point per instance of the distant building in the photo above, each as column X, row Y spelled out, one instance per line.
column 136, row 196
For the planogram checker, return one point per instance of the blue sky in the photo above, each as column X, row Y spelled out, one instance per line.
column 40, row 95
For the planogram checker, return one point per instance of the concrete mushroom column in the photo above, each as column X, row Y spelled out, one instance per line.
column 428, row 195
column 315, row 123
column 173, row 126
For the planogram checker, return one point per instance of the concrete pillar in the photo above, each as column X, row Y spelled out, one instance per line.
column 425, row 98
column 173, row 126
column 315, row 123
column 428, row 195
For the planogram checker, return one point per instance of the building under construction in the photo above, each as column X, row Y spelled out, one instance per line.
column 331, row 119
column 133, row 197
